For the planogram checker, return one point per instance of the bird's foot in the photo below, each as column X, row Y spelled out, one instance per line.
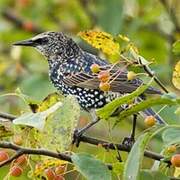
column 77, row 137
column 128, row 141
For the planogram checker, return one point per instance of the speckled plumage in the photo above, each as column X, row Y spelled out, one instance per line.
column 69, row 71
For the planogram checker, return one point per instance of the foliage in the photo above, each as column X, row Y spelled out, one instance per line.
column 90, row 167
column 132, row 169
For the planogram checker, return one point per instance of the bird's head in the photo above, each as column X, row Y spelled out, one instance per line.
column 52, row 44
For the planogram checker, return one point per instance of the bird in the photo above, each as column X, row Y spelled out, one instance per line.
column 70, row 72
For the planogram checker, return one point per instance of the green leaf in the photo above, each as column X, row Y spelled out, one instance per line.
column 177, row 111
column 90, row 167
column 171, row 136
column 147, row 104
column 25, row 98
column 118, row 168
column 176, row 47
column 170, row 95
column 36, row 120
column 135, row 157
column 152, row 175
column 108, row 109
column 59, row 128
column 108, row 20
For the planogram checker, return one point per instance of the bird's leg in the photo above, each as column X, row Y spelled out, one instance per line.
column 84, row 129
column 80, row 132
column 129, row 141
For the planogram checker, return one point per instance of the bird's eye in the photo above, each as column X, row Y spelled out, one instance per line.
column 41, row 41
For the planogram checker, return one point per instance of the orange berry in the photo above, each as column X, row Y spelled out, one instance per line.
column 60, row 169
column 21, row 160
column 28, row 26
column 104, row 86
column 16, row 171
column 17, row 139
column 150, row 121
column 175, row 160
column 59, row 177
column 24, row 3
column 171, row 149
column 131, row 75
column 50, row 174
column 95, row 68
column 104, row 76
column 3, row 156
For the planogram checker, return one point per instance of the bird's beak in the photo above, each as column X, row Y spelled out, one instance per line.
column 28, row 42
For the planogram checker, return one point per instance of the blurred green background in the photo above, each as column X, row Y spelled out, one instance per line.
column 153, row 25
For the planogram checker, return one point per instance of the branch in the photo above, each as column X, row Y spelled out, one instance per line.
column 120, row 147
column 85, row 139
column 151, row 74
column 171, row 14
column 20, row 23
column 21, row 150
column 7, row 116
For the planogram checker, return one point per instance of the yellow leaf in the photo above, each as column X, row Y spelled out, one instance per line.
column 124, row 38
column 176, row 76
column 102, row 41
column 49, row 101
column 177, row 172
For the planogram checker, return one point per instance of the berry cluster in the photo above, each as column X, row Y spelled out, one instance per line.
column 104, row 77
column 55, row 173
column 17, row 165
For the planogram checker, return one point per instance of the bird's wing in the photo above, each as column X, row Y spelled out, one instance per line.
column 118, row 80
column 118, row 77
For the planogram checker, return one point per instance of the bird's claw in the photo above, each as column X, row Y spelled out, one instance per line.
column 128, row 141
column 76, row 137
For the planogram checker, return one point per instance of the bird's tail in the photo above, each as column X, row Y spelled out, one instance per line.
column 151, row 112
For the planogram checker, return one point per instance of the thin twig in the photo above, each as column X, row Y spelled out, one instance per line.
column 151, row 74
column 171, row 14
column 20, row 23
column 7, row 116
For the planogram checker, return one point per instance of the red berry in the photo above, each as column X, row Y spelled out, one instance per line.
column 175, row 160
column 104, row 86
column 21, row 160
column 104, row 76
column 16, row 171
column 60, row 169
column 50, row 174
column 3, row 156
column 28, row 26
column 95, row 68
column 150, row 121
column 59, row 177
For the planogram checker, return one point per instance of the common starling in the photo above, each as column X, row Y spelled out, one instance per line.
column 70, row 72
